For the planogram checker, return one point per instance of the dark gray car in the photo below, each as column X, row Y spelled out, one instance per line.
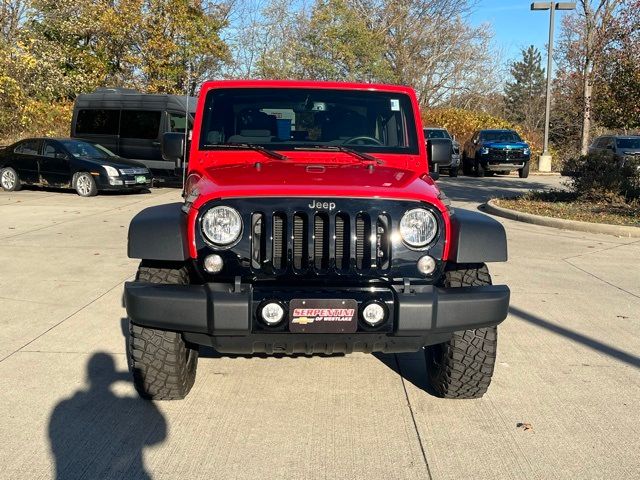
column 620, row 147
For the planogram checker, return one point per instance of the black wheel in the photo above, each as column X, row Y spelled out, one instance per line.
column 85, row 185
column 453, row 172
column 479, row 169
column 9, row 180
column 463, row 366
column 467, row 168
column 162, row 363
column 524, row 171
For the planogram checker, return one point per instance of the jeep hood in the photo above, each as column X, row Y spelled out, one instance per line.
column 296, row 179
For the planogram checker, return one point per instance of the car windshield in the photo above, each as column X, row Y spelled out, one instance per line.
column 85, row 149
column 429, row 133
column 297, row 118
column 628, row 143
column 500, row 137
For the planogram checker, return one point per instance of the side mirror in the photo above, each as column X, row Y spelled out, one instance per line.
column 173, row 147
column 439, row 151
column 61, row 156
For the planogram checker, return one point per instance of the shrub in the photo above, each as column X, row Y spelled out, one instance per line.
column 598, row 177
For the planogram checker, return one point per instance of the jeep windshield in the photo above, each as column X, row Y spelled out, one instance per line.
column 315, row 119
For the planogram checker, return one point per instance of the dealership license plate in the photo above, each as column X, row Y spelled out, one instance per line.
column 323, row 316
column 141, row 179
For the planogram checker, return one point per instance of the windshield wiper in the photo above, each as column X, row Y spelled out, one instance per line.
column 341, row 148
column 250, row 146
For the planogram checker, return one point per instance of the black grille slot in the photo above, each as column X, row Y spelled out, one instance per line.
column 321, row 241
column 342, row 241
column 383, row 242
column 279, row 243
column 258, row 240
column 363, row 243
column 300, row 241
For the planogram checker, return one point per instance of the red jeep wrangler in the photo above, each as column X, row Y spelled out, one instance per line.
column 311, row 225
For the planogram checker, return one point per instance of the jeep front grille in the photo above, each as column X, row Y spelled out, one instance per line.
column 321, row 242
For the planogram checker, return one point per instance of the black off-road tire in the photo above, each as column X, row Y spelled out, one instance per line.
column 162, row 363
column 479, row 169
column 524, row 171
column 453, row 172
column 463, row 366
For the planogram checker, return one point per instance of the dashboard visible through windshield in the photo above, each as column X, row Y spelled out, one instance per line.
column 299, row 119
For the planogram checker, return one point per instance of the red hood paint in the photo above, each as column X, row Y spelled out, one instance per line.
column 276, row 178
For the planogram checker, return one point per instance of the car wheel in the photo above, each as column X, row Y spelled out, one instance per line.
column 163, row 364
column 453, row 172
column 9, row 180
column 463, row 366
column 479, row 169
column 524, row 171
column 85, row 185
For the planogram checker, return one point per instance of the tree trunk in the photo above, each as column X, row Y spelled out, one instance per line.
column 586, row 112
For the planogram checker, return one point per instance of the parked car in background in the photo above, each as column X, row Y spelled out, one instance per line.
column 131, row 123
column 437, row 132
column 84, row 166
column 619, row 147
column 497, row 151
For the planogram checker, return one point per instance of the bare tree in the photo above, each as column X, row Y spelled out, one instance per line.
column 12, row 14
column 583, row 41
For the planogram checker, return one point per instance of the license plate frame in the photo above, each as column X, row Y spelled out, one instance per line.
column 141, row 179
column 323, row 315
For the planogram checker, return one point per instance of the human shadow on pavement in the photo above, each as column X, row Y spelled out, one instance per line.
column 96, row 434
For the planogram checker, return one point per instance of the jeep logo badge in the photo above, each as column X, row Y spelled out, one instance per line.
column 322, row 205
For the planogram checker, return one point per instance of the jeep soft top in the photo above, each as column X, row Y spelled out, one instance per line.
column 311, row 225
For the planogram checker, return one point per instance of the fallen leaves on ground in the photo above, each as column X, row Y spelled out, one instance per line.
column 524, row 426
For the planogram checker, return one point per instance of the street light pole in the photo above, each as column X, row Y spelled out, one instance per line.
column 544, row 162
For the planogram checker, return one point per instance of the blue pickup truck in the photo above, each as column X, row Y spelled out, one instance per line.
column 497, row 151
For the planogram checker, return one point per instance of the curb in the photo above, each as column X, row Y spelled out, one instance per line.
column 606, row 228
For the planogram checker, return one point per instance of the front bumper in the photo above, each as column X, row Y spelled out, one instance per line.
column 225, row 316
column 497, row 164
column 125, row 182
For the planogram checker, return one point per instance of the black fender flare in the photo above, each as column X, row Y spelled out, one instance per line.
column 476, row 238
column 159, row 233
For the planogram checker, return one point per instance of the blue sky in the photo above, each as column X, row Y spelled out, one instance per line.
column 515, row 25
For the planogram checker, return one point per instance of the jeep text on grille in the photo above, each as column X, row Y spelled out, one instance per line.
column 311, row 225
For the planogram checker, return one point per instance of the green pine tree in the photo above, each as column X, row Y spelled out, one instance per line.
column 525, row 94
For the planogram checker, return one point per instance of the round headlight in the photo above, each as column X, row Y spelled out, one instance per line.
column 222, row 225
column 418, row 227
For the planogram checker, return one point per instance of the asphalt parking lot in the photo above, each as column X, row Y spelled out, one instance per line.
column 563, row 402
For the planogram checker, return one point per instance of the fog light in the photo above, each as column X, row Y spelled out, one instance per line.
column 426, row 265
column 373, row 314
column 272, row 313
column 213, row 263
